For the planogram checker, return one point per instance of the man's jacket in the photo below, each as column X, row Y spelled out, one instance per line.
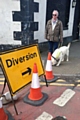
column 56, row 34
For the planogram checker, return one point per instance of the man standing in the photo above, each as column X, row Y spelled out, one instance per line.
column 54, row 31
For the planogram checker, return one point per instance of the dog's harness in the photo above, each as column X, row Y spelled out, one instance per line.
column 55, row 58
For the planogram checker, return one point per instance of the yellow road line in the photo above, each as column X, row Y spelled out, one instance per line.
column 60, row 84
column 57, row 84
column 60, row 80
column 2, row 81
column 2, row 78
column 77, row 80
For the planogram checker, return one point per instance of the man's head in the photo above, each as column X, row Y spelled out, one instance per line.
column 55, row 14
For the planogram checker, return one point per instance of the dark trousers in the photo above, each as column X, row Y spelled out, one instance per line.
column 52, row 46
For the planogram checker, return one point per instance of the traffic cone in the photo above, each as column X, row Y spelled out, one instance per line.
column 35, row 97
column 48, row 71
column 4, row 115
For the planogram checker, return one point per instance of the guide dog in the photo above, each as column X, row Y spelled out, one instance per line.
column 59, row 54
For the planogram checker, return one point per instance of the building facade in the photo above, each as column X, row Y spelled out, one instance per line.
column 22, row 22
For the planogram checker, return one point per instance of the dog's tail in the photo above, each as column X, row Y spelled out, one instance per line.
column 69, row 44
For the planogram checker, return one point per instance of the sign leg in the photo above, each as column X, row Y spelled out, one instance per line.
column 14, row 104
column 46, row 81
column 4, row 86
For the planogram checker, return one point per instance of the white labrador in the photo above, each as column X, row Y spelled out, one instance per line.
column 59, row 54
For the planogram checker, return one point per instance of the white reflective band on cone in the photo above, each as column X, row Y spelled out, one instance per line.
column 49, row 66
column 0, row 103
column 35, row 81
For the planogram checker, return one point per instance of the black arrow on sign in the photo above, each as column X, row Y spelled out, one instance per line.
column 27, row 71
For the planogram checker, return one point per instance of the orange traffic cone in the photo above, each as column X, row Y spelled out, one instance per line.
column 35, row 97
column 4, row 115
column 48, row 71
column 35, row 92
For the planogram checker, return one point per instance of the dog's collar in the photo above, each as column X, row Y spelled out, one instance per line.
column 55, row 58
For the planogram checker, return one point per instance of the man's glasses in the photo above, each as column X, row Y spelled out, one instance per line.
column 54, row 15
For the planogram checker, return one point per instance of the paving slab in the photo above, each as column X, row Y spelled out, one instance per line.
column 71, row 110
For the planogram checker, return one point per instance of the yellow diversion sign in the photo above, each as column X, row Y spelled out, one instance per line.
column 18, row 64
